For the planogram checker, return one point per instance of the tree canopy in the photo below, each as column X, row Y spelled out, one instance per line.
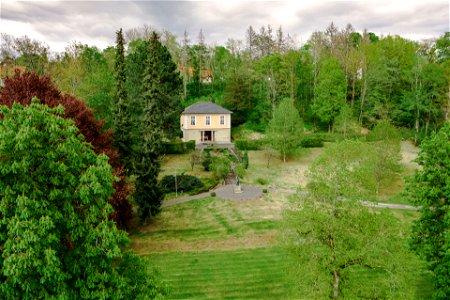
column 430, row 188
column 22, row 87
column 57, row 241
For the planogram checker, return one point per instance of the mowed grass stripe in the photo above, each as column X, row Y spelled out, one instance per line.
column 245, row 274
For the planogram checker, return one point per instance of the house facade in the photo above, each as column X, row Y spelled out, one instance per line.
column 206, row 122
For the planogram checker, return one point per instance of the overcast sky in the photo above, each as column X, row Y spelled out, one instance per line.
column 94, row 22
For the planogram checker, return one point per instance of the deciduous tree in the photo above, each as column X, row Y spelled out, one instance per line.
column 430, row 188
column 24, row 86
column 285, row 129
column 329, row 92
column 57, row 241
column 338, row 243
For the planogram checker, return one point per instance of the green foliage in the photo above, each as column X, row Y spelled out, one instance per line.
column 238, row 96
column 330, row 91
column 122, row 123
column 195, row 158
column 285, row 129
column 430, row 188
column 178, row 147
column 207, row 160
column 311, row 141
column 170, row 82
column 245, row 160
column 245, row 144
column 183, row 183
column 384, row 153
column 334, row 238
column 57, row 241
column 221, row 167
column 148, row 195
column 345, row 123
column 262, row 181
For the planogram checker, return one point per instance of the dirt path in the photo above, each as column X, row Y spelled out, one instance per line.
column 230, row 243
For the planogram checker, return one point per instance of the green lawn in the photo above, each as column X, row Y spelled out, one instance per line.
column 220, row 249
column 258, row 273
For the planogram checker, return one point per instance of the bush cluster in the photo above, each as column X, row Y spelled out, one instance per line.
column 184, row 183
column 245, row 160
column 178, row 147
column 248, row 144
column 311, row 141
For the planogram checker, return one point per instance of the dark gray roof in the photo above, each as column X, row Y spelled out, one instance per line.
column 206, row 108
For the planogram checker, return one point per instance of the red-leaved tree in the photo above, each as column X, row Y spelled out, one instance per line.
column 22, row 87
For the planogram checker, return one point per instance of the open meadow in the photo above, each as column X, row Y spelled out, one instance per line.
column 213, row 248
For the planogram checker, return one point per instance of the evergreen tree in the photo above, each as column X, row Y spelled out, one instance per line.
column 171, row 84
column 121, row 121
column 148, row 196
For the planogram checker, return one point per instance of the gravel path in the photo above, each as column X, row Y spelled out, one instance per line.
column 250, row 192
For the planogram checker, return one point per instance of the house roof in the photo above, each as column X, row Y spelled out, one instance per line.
column 206, row 108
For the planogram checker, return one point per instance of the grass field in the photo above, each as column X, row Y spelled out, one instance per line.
column 221, row 249
column 257, row 273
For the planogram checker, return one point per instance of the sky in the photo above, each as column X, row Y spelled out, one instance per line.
column 58, row 23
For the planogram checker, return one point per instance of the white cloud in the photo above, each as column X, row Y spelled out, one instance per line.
column 95, row 23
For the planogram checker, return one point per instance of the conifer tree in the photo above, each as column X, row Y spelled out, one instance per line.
column 148, row 196
column 122, row 120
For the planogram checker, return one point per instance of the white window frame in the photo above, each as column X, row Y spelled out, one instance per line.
column 193, row 119
column 222, row 120
column 208, row 121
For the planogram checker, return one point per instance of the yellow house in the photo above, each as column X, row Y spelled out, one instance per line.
column 206, row 122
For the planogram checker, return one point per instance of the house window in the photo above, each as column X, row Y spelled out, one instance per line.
column 193, row 120
column 208, row 120
column 222, row 120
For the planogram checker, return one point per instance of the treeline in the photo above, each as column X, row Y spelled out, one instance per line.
column 389, row 77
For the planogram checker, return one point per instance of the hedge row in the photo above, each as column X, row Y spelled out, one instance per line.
column 184, row 183
column 248, row 144
column 178, row 147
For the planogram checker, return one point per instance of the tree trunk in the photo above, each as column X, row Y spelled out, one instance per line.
column 353, row 93
column 336, row 280
column 363, row 96
column 416, row 137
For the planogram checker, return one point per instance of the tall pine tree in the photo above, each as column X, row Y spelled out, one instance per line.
column 148, row 196
column 122, row 121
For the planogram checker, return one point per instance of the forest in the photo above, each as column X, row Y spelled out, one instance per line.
column 84, row 134
column 376, row 77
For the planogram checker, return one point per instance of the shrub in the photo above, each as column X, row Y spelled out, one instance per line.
column 184, row 183
column 213, row 194
column 221, row 167
column 311, row 141
column 178, row 147
column 262, row 181
column 264, row 191
column 245, row 160
column 207, row 160
column 248, row 144
column 208, row 184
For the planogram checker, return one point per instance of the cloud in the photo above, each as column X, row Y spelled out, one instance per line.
column 95, row 22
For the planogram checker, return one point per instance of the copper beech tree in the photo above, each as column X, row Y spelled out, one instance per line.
column 22, row 87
